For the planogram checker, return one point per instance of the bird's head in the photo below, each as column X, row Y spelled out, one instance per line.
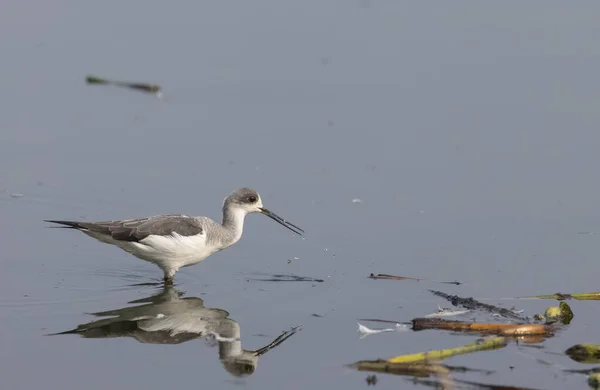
column 249, row 201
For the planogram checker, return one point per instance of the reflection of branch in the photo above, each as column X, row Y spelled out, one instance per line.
column 420, row 362
column 584, row 353
column 280, row 339
column 476, row 385
column 426, row 364
column 472, row 304
column 443, row 374
column 492, row 387
column 409, row 369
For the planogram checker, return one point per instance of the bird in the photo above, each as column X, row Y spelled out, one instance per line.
column 172, row 241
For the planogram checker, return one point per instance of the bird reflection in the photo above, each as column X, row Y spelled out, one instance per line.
column 169, row 318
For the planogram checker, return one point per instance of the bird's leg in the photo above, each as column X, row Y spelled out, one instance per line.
column 169, row 275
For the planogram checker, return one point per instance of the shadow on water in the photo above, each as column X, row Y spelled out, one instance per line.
column 169, row 318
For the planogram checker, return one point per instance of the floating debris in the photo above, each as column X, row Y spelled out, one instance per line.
column 357, row 200
column 289, row 278
column 364, row 331
column 392, row 277
column 447, row 312
column 472, row 304
column 584, row 353
column 395, row 277
column 371, row 380
column 561, row 313
column 593, row 296
column 142, row 87
column 500, row 329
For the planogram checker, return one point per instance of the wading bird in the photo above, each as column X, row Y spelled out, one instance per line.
column 175, row 241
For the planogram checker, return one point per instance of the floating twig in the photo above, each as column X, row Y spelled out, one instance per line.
column 500, row 329
column 289, row 278
column 143, row 87
column 392, row 277
column 592, row 296
column 395, row 277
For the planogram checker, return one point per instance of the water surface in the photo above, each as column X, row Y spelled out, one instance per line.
column 469, row 132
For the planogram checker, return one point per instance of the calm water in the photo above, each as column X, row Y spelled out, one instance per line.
column 469, row 132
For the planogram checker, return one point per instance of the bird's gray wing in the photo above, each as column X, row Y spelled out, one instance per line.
column 165, row 225
column 138, row 229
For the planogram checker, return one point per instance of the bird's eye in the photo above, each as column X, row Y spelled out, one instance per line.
column 252, row 199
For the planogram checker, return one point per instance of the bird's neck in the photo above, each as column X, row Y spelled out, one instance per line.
column 231, row 348
column 233, row 223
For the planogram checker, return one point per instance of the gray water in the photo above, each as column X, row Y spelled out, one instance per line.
column 468, row 130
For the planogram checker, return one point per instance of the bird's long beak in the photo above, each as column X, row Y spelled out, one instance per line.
column 281, row 221
column 280, row 339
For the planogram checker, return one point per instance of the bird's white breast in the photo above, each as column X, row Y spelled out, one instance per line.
column 174, row 248
column 199, row 321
